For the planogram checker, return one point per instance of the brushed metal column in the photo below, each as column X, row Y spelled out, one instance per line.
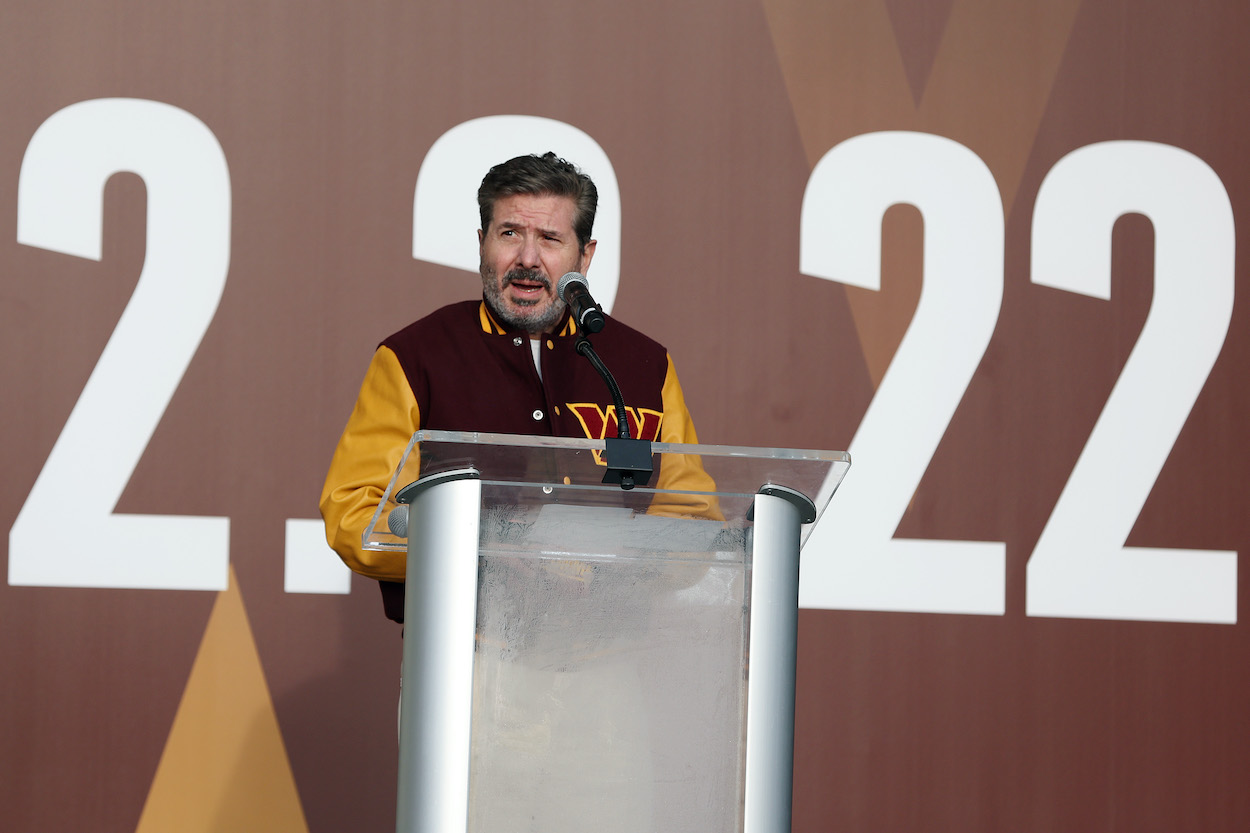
column 440, row 621
column 769, row 777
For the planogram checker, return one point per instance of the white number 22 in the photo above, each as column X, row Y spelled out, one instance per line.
column 1080, row 566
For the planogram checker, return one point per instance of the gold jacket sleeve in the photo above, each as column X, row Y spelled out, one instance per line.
column 384, row 419
column 682, row 471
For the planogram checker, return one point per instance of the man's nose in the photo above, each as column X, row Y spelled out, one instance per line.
column 529, row 254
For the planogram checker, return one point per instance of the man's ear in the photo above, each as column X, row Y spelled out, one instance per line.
column 587, row 254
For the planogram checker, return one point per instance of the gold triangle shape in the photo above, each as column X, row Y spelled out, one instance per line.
column 225, row 766
column 918, row 29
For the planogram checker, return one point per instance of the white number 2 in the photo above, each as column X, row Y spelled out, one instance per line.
column 853, row 560
column 1080, row 566
column 66, row 534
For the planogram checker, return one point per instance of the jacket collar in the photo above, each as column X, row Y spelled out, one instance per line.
column 491, row 326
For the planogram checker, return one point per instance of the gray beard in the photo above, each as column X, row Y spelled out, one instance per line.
column 531, row 321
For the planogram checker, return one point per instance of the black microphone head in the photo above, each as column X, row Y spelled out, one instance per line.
column 562, row 286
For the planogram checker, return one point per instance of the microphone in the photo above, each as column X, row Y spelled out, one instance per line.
column 397, row 521
column 574, row 291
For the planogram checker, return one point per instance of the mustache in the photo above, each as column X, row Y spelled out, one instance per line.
column 527, row 275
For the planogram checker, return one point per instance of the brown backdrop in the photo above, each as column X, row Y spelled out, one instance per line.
column 256, row 709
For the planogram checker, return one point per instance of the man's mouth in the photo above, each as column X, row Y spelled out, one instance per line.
column 528, row 283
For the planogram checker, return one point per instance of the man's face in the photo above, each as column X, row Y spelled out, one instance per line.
column 529, row 246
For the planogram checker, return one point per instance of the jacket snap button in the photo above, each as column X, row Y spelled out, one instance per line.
column 538, row 414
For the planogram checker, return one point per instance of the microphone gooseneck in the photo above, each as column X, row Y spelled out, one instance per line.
column 629, row 460
column 585, row 348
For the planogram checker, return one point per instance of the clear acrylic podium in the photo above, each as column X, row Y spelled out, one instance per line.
column 579, row 657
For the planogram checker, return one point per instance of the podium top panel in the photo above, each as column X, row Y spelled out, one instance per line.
column 705, row 482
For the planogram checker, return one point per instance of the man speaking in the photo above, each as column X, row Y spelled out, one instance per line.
column 504, row 364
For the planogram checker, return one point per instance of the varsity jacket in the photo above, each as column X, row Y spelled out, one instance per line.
column 459, row 369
